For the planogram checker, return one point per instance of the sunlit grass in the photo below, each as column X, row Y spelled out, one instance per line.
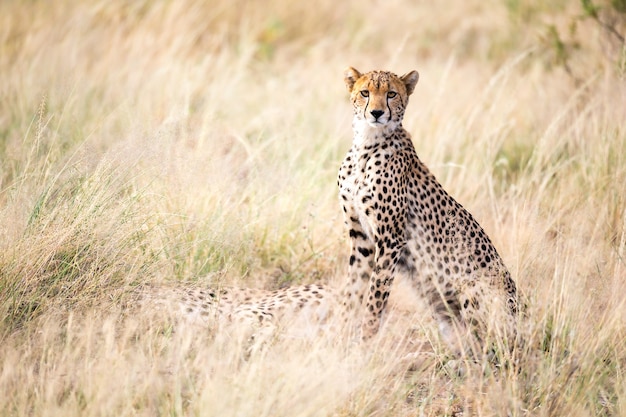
column 166, row 143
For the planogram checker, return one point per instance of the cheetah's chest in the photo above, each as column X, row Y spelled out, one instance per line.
column 356, row 197
column 358, row 179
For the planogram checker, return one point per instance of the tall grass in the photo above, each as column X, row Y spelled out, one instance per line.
column 147, row 143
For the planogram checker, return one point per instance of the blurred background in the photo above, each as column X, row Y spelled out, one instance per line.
column 160, row 142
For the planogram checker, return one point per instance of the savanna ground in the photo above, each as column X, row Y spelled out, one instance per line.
column 167, row 143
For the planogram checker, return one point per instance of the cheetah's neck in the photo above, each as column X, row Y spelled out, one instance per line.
column 366, row 134
column 367, row 137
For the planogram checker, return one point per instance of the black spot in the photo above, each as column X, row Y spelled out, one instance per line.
column 356, row 233
column 364, row 251
column 352, row 260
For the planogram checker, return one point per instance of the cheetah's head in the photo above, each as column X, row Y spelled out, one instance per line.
column 379, row 97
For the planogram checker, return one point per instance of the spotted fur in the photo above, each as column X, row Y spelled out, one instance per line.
column 304, row 310
column 401, row 220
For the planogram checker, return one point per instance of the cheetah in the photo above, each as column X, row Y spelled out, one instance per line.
column 306, row 310
column 400, row 220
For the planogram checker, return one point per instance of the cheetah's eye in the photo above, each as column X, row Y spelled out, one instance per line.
column 391, row 94
column 365, row 93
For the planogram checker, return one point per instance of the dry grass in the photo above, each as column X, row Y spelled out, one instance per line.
column 163, row 142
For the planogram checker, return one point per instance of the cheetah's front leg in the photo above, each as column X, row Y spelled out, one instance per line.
column 386, row 218
column 361, row 261
column 388, row 252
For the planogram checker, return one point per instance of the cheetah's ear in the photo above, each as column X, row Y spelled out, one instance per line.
column 350, row 75
column 410, row 80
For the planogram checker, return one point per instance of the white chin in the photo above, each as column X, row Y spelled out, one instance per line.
column 376, row 125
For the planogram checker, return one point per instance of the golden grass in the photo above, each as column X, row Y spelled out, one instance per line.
column 164, row 142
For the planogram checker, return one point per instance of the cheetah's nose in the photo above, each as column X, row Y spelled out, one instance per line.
column 377, row 113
